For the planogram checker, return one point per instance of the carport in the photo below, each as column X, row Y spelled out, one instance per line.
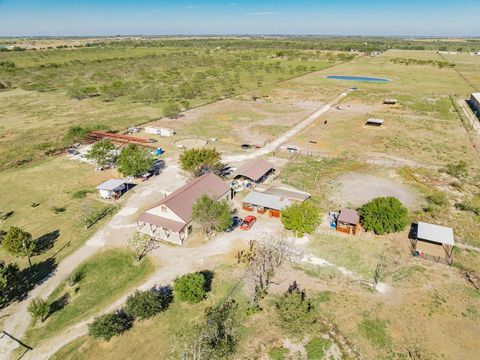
column 432, row 242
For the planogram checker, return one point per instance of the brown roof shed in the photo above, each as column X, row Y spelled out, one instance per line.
column 348, row 216
column 255, row 169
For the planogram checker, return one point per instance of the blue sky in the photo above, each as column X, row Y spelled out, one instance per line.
column 321, row 17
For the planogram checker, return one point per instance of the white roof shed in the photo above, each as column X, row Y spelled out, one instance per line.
column 111, row 184
column 435, row 233
column 269, row 201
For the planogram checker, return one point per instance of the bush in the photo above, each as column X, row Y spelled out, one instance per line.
column 39, row 308
column 295, row 310
column 457, row 170
column 109, row 325
column 438, row 198
column 278, row 353
column 302, row 218
column 171, row 110
column 384, row 215
column 146, row 304
column 375, row 330
column 190, row 288
column 80, row 194
column 75, row 277
column 316, row 348
column 57, row 209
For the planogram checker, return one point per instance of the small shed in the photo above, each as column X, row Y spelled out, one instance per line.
column 256, row 170
column 433, row 242
column 159, row 131
column 374, row 122
column 348, row 221
column 390, row 101
column 111, row 188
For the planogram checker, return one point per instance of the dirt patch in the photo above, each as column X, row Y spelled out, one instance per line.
column 356, row 189
column 191, row 143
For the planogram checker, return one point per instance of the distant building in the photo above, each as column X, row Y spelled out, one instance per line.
column 170, row 219
column 475, row 103
column 374, row 122
column 159, row 131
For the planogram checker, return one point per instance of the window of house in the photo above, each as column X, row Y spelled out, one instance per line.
column 164, row 208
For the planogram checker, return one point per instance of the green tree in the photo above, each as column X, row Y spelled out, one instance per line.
column 190, row 287
column 171, row 109
column 384, row 215
column 198, row 161
column 134, row 161
column 19, row 243
column 39, row 308
column 109, row 325
column 295, row 310
column 102, row 153
column 146, row 304
column 211, row 215
column 301, row 218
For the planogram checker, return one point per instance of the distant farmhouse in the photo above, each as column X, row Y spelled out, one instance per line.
column 170, row 219
column 475, row 103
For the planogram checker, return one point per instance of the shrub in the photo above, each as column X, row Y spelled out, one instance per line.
column 57, row 209
column 384, row 215
column 146, row 304
column 375, row 330
column 109, row 325
column 278, row 353
column 295, row 310
column 302, row 218
column 190, row 288
column 75, row 277
column 171, row 110
column 316, row 348
column 39, row 308
column 438, row 198
column 457, row 170
column 80, row 194
column 211, row 215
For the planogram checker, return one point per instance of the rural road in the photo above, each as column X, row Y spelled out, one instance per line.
column 282, row 139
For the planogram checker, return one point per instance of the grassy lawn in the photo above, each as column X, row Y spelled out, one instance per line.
column 105, row 277
column 359, row 254
column 50, row 183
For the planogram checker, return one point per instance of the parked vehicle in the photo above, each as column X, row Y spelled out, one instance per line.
column 248, row 222
column 236, row 221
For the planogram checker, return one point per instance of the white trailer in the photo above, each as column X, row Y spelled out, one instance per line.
column 159, row 131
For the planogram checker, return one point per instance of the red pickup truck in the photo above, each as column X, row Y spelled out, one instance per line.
column 248, row 222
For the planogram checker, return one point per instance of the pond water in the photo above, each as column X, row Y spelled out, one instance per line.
column 358, row 78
